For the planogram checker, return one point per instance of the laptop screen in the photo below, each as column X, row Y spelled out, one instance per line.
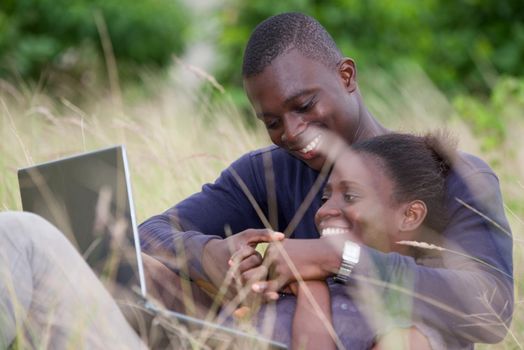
column 88, row 198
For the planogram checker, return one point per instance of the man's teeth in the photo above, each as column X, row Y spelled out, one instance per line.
column 334, row 231
column 312, row 145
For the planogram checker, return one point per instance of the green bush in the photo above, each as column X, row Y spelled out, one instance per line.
column 491, row 117
column 460, row 43
column 38, row 34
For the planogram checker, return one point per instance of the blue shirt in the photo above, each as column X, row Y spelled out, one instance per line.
column 447, row 298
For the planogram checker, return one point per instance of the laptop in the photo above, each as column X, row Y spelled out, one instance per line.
column 88, row 197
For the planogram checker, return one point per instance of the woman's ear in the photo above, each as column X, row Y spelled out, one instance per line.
column 414, row 215
column 348, row 73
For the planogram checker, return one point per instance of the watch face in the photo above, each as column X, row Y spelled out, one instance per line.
column 351, row 252
column 350, row 258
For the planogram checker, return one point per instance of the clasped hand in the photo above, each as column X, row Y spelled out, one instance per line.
column 284, row 261
column 311, row 259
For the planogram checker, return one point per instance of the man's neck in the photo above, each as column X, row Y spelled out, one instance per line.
column 368, row 126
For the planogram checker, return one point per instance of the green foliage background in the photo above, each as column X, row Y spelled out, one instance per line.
column 471, row 49
column 457, row 42
column 36, row 35
column 179, row 138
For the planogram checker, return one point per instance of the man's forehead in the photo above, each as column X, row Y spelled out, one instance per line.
column 288, row 78
column 293, row 62
column 298, row 94
column 289, row 82
column 288, row 58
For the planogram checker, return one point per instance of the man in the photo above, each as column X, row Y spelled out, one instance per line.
column 301, row 87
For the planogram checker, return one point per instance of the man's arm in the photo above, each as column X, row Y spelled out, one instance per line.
column 471, row 298
column 472, row 305
column 469, row 305
column 184, row 230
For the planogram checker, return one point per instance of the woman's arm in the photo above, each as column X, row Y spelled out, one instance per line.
column 312, row 327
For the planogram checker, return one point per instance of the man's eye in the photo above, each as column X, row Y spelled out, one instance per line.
column 272, row 124
column 305, row 107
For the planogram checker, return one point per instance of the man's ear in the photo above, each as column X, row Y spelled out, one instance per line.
column 414, row 214
column 348, row 73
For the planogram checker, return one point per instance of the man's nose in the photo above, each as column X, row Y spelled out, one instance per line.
column 293, row 127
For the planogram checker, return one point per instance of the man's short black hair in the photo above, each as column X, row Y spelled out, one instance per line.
column 281, row 33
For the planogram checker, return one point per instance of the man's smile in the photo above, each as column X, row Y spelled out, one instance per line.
column 312, row 145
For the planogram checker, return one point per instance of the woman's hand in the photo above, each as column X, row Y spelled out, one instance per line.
column 312, row 259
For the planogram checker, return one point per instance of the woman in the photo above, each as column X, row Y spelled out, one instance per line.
column 382, row 191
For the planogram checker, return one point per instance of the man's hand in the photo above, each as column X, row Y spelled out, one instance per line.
column 217, row 253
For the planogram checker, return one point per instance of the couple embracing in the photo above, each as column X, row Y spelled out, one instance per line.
column 384, row 234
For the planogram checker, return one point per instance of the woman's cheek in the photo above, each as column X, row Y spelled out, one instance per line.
column 374, row 236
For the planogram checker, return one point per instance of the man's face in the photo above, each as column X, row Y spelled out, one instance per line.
column 297, row 98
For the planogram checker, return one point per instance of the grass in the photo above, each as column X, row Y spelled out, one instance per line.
column 178, row 140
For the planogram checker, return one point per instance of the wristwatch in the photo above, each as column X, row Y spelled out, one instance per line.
column 350, row 257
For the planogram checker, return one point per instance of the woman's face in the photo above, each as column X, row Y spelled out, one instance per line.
column 358, row 201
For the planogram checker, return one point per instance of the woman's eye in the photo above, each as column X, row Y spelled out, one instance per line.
column 324, row 198
column 348, row 197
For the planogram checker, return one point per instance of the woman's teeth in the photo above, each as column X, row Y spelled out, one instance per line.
column 334, row 231
column 312, row 145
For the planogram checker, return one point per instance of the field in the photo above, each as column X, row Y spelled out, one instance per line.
column 178, row 138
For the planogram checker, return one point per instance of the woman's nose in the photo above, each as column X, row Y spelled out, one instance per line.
column 328, row 209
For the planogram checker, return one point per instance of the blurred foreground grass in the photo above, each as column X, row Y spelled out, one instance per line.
column 177, row 139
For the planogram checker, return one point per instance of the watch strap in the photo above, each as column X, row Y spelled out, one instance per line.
column 344, row 271
column 350, row 257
